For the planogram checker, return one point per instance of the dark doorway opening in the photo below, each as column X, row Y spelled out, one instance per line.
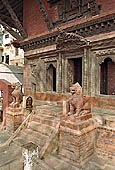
column 54, row 79
column 78, row 70
column 107, row 74
column 7, row 59
column 51, row 78
column 74, row 71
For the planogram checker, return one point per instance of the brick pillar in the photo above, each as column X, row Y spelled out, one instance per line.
column 14, row 118
column 76, row 139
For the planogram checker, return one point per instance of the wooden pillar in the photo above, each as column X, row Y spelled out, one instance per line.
column 65, row 83
column 59, row 74
column 85, row 72
column 63, row 74
column 93, row 73
column 97, row 77
column 66, row 75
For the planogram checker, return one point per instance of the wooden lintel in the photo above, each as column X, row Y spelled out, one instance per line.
column 15, row 18
column 45, row 15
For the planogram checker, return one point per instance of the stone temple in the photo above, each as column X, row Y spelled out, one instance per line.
column 64, row 120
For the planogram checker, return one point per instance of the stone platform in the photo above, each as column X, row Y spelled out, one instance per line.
column 76, row 139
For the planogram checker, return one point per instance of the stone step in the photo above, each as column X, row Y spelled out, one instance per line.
column 41, row 128
column 34, row 137
column 49, row 106
column 4, row 136
column 45, row 119
column 59, row 164
column 56, row 111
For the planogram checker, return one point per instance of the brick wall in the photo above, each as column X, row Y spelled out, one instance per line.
column 76, row 139
column 107, row 5
column 28, row 80
column 105, row 146
column 35, row 25
column 33, row 22
column 103, row 103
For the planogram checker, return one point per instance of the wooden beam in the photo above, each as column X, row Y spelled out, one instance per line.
column 15, row 18
column 11, row 31
column 45, row 15
column 6, row 18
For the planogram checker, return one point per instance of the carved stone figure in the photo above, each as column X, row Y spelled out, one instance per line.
column 76, row 101
column 29, row 102
column 17, row 95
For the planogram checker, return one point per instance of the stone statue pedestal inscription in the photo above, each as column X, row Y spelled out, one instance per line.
column 14, row 118
column 76, row 140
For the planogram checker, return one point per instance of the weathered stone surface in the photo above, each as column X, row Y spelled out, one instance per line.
column 14, row 118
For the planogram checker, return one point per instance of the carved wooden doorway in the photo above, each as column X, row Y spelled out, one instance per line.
column 51, row 78
column 75, row 71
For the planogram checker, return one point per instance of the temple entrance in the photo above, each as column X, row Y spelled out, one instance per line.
column 51, row 78
column 75, row 71
column 107, row 74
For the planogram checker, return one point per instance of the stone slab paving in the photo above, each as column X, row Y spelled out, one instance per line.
column 4, row 135
column 10, row 156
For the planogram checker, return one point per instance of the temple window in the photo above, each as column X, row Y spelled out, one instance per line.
column 107, row 75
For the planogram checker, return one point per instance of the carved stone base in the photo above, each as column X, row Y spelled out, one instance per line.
column 14, row 118
column 76, row 140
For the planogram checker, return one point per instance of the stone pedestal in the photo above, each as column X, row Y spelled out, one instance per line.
column 14, row 118
column 76, row 140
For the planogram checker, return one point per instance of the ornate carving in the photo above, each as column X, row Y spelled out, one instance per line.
column 94, row 7
column 69, row 9
column 52, row 59
column 88, row 29
column 29, row 102
column 38, row 72
column 66, row 40
column 70, row 73
column 16, row 95
column 35, row 70
column 103, row 54
column 45, row 14
column 53, row 63
column 76, row 101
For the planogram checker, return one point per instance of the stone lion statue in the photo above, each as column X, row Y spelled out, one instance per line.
column 17, row 95
column 76, row 101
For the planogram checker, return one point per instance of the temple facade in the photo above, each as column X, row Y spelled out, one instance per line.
column 69, row 43
column 65, row 42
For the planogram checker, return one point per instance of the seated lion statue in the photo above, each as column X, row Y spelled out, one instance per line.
column 76, row 101
column 17, row 95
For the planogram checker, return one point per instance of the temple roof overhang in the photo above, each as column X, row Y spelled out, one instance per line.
column 11, row 17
